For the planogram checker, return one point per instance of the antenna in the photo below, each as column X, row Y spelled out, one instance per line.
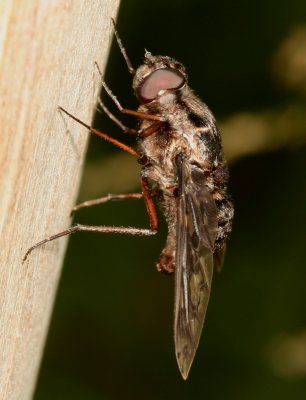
column 122, row 49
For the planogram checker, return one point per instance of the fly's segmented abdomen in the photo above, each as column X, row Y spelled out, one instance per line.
column 225, row 217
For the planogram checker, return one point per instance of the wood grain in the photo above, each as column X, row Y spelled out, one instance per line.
column 47, row 50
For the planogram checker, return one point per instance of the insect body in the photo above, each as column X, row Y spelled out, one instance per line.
column 184, row 161
column 183, row 168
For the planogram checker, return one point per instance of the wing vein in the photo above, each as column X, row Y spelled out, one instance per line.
column 196, row 232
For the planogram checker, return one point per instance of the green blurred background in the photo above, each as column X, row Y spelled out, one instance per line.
column 111, row 332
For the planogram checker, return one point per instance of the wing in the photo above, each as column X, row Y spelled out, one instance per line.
column 196, row 232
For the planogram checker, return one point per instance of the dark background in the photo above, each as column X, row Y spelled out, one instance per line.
column 111, row 332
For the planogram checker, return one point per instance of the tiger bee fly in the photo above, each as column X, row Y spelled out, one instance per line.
column 184, row 161
column 183, row 167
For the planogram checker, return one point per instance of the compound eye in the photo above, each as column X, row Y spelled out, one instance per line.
column 161, row 79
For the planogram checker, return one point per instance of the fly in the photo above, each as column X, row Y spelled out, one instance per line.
column 183, row 169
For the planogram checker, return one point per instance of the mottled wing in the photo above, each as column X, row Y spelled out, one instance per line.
column 196, row 232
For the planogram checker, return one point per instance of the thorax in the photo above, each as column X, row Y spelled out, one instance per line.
column 189, row 128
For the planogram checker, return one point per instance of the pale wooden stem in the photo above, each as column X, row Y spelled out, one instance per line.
column 47, row 51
